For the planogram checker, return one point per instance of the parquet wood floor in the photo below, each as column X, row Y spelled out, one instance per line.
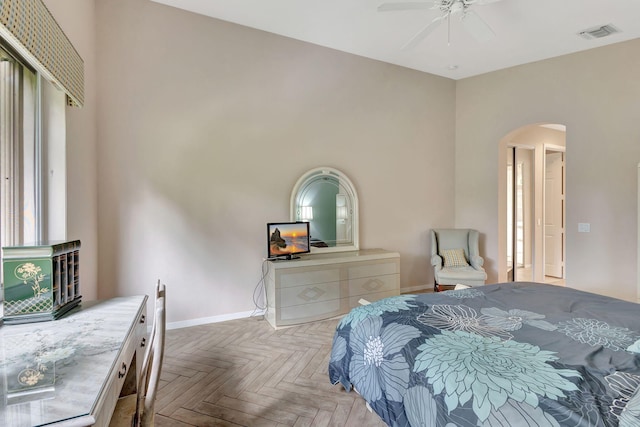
column 245, row 373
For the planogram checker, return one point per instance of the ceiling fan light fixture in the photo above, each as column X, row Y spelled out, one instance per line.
column 456, row 7
column 472, row 22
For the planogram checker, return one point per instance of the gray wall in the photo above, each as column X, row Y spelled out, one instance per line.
column 191, row 115
column 77, row 19
column 596, row 94
column 194, row 117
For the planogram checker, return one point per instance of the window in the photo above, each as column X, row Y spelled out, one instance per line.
column 39, row 72
column 19, row 152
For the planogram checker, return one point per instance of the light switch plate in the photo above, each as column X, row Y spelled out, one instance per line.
column 584, row 227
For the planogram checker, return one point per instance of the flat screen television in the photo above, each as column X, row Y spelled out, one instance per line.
column 287, row 239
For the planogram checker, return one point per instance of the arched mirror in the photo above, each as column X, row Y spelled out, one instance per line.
column 327, row 199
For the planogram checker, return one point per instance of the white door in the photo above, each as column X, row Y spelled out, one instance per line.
column 554, row 214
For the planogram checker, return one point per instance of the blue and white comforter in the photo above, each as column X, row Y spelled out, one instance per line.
column 516, row 354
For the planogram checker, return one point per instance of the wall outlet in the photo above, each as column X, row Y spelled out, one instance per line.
column 584, row 227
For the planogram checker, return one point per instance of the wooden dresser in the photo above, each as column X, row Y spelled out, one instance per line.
column 321, row 286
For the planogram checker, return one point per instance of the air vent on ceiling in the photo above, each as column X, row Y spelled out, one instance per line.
column 598, row 32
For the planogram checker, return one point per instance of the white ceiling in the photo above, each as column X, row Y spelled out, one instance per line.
column 526, row 30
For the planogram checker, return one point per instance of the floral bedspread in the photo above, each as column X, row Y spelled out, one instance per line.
column 513, row 354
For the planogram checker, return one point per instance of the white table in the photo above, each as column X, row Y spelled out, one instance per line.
column 70, row 372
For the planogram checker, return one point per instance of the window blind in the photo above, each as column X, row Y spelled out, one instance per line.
column 30, row 29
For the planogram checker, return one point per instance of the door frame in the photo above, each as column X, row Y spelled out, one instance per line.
column 505, row 144
column 561, row 149
column 528, row 215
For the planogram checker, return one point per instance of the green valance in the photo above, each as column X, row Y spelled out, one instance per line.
column 30, row 29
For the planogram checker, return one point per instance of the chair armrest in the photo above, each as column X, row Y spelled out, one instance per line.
column 436, row 261
column 477, row 262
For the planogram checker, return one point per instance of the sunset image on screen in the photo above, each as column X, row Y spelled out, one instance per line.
column 287, row 239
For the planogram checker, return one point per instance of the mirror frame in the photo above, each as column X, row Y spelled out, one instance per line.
column 344, row 182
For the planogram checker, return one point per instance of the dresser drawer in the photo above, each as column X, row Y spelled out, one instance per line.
column 307, row 312
column 371, row 270
column 309, row 277
column 354, row 301
column 369, row 285
column 309, row 294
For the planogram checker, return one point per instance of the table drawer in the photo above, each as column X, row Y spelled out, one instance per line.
column 124, row 366
column 125, row 370
column 142, row 340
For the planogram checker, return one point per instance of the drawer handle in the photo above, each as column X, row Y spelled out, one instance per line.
column 123, row 370
column 311, row 294
column 143, row 342
column 143, row 318
column 373, row 285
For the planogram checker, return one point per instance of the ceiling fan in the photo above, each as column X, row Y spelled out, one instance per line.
column 472, row 22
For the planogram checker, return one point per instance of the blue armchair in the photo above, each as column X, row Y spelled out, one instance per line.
column 455, row 258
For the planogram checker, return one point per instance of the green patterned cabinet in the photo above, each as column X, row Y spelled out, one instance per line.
column 322, row 286
column 40, row 281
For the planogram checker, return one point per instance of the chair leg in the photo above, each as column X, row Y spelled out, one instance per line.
column 435, row 287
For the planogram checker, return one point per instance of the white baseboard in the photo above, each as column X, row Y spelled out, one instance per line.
column 214, row 319
column 245, row 314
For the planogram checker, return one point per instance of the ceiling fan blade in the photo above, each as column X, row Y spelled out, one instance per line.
column 423, row 33
column 479, row 30
column 411, row 5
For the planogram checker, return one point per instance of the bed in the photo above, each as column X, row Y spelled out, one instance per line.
column 511, row 354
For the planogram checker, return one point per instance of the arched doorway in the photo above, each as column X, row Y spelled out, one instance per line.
column 532, row 204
